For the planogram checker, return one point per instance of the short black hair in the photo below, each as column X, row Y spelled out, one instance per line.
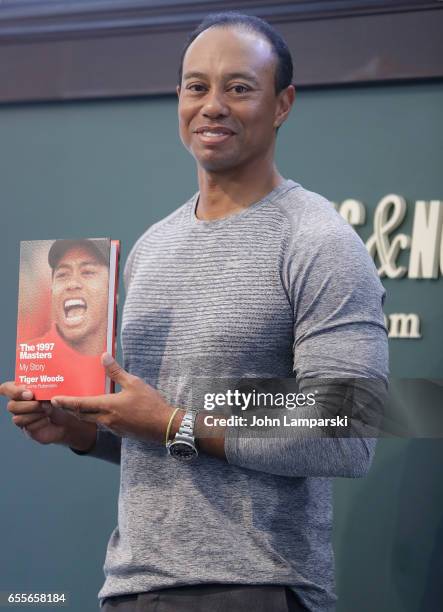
column 284, row 71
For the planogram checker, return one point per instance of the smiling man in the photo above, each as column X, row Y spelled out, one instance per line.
column 235, row 91
column 254, row 276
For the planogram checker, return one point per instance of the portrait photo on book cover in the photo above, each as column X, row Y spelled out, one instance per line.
column 62, row 327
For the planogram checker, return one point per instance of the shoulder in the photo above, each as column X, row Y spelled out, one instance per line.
column 308, row 213
column 313, row 224
column 321, row 246
column 156, row 232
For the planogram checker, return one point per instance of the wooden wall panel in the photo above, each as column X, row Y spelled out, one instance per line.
column 85, row 50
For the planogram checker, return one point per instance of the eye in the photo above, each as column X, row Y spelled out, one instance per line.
column 239, row 89
column 88, row 272
column 195, row 87
column 60, row 275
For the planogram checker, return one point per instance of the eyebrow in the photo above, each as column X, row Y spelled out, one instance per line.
column 91, row 262
column 231, row 75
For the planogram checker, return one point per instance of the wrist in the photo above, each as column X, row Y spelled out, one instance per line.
column 211, row 440
column 172, row 424
column 176, row 422
column 182, row 445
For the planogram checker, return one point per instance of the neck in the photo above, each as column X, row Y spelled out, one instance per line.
column 225, row 193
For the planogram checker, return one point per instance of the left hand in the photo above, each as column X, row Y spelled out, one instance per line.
column 137, row 411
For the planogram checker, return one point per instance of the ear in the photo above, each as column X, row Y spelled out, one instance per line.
column 177, row 89
column 284, row 104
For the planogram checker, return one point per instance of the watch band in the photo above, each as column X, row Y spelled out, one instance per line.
column 183, row 445
column 187, row 425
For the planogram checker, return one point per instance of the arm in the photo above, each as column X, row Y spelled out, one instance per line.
column 339, row 333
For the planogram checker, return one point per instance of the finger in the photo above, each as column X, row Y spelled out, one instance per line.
column 115, row 371
column 38, row 424
column 82, row 405
column 26, row 419
column 89, row 417
column 47, row 408
column 23, row 407
column 14, row 392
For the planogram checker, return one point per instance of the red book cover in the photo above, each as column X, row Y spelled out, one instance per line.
column 67, row 314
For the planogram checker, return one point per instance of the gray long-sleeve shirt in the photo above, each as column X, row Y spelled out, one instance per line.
column 285, row 285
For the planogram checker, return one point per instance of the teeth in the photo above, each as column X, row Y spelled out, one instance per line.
column 75, row 309
column 74, row 303
column 207, row 133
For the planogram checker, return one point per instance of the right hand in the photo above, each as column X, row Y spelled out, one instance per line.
column 41, row 421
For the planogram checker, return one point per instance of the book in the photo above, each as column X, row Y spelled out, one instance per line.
column 67, row 315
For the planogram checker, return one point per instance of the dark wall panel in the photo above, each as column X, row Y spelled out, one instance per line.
column 77, row 50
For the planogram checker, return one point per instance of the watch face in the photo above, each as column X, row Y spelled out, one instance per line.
column 182, row 450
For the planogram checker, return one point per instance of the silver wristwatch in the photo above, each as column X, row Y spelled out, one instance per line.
column 183, row 445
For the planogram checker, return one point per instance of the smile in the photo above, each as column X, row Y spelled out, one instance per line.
column 75, row 311
column 213, row 134
column 213, row 137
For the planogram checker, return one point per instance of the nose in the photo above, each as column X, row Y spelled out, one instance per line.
column 215, row 106
column 74, row 281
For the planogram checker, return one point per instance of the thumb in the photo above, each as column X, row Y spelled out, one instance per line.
column 114, row 370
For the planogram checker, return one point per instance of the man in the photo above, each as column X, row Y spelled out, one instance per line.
column 79, row 314
column 80, row 279
column 252, row 277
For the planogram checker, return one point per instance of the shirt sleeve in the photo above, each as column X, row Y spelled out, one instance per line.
column 107, row 446
column 339, row 333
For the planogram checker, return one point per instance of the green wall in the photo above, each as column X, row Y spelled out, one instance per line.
column 112, row 169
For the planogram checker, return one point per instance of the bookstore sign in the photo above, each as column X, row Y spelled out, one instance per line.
column 385, row 245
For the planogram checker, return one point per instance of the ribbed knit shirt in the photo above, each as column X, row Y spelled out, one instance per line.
column 284, row 286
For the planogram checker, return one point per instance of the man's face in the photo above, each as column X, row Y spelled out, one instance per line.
column 79, row 294
column 228, row 109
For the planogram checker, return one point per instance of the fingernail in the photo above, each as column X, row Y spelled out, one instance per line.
column 107, row 359
column 55, row 403
column 27, row 395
